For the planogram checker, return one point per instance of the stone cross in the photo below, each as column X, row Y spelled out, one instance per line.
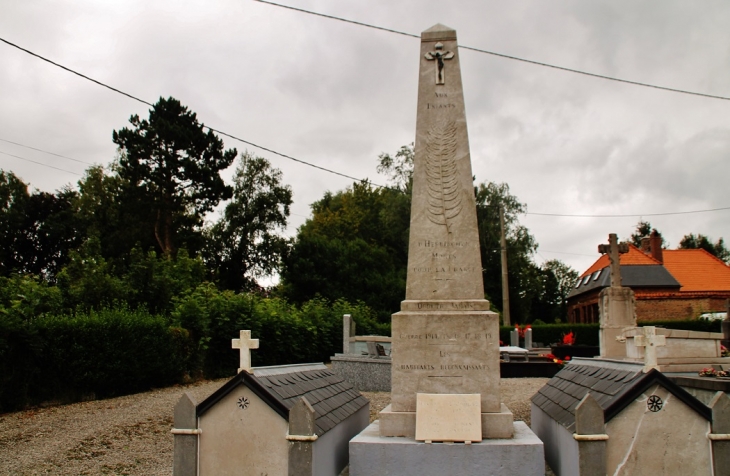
column 614, row 249
column 245, row 343
column 650, row 341
column 439, row 56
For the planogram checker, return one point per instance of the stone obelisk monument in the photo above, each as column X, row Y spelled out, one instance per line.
column 445, row 341
column 445, row 338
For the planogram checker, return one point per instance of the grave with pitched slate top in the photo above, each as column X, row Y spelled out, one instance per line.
column 293, row 420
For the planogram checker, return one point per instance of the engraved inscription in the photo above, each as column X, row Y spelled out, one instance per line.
column 439, row 106
column 443, row 244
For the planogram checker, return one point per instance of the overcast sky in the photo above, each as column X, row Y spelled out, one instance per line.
column 336, row 95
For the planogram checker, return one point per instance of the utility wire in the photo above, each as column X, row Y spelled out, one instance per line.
column 631, row 215
column 45, row 151
column 75, row 72
column 207, row 127
column 501, row 55
column 302, row 161
column 39, row 163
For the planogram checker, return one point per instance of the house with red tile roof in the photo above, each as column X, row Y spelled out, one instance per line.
column 667, row 284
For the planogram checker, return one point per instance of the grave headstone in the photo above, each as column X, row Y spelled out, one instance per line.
column 650, row 341
column 245, row 344
column 726, row 326
column 528, row 339
column 348, row 332
column 514, row 338
column 616, row 304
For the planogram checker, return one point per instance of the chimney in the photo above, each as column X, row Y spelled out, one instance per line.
column 655, row 245
column 645, row 244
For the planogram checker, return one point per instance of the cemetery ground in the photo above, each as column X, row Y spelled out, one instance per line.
column 130, row 435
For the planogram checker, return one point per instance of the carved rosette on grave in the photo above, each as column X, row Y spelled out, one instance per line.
column 445, row 340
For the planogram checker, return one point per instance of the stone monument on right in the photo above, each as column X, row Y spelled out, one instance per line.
column 445, row 340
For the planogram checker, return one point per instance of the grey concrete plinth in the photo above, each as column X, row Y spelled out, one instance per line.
column 373, row 455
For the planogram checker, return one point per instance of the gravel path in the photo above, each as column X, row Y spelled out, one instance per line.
column 131, row 435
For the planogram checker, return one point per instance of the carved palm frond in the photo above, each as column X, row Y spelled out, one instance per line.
column 444, row 191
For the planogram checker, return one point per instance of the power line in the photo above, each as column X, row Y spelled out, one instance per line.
column 630, row 215
column 501, row 55
column 207, row 127
column 45, row 151
column 75, row 72
column 39, row 163
column 302, row 161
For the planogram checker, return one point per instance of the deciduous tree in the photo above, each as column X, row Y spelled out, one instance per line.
column 245, row 243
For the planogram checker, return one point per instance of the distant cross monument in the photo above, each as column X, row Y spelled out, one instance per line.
column 245, row 344
column 616, row 304
column 613, row 249
column 439, row 56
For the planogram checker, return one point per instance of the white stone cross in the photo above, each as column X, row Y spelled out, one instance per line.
column 614, row 249
column 650, row 341
column 245, row 343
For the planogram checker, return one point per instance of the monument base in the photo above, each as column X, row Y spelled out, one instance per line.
column 403, row 424
column 375, row 455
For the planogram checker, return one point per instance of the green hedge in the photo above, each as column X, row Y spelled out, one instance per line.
column 95, row 355
column 288, row 334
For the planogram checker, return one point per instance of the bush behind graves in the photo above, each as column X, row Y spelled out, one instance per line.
column 289, row 334
column 100, row 354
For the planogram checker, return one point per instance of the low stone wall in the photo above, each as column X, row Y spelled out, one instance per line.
column 366, row 374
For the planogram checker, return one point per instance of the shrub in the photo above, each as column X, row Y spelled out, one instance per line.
column 99, row 354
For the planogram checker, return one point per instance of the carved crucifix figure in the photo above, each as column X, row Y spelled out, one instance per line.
column 245, row 343
column 614, row 249
column 650, row 341
column 439, row 56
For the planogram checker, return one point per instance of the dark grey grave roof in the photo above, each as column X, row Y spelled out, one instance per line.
column 333, row 399
column 613, row 384
column 632, row 276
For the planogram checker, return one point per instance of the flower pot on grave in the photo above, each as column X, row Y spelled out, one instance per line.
column 562, row 351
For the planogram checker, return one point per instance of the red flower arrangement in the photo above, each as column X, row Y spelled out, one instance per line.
column 555, row 359
column 521, row 330
column 569, row 338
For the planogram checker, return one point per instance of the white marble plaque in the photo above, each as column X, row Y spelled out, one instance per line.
column 448, row 417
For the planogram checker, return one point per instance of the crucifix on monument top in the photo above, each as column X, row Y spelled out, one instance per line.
column 439, row 56
column 245, row 344
column 613, row 249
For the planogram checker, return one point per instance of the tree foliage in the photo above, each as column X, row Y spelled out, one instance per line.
column 355, row 246
column 244, row 244
column 37, row 230
column 171, row 166
column 701, row 241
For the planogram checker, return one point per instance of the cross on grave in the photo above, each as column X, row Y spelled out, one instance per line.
column 439, row 56
column 614, row 249
column 245, row 343
column 650, row 341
